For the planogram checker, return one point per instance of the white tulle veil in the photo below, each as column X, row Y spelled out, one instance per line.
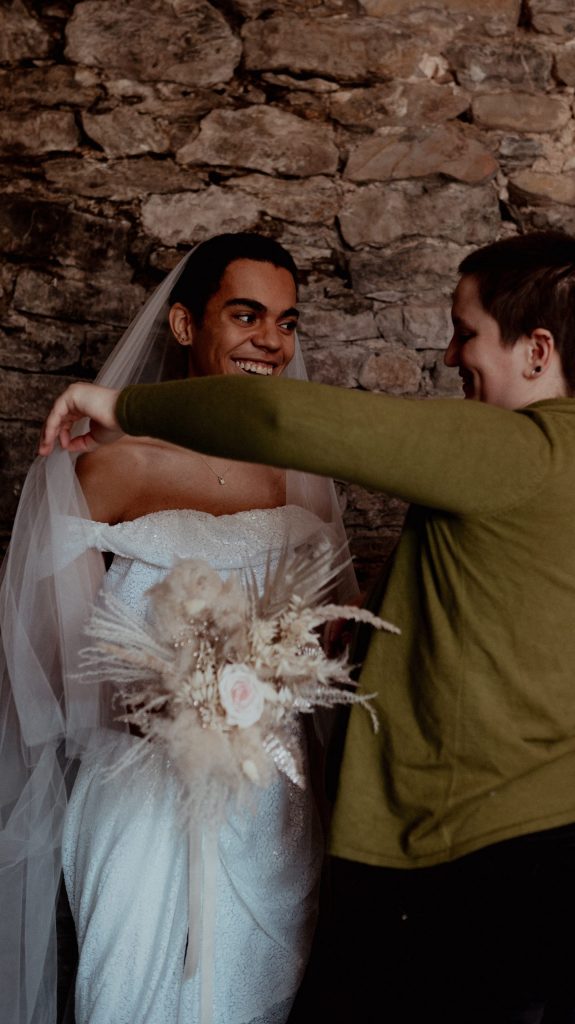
column 47, row 718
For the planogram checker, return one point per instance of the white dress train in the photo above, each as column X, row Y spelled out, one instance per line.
column 125, row 854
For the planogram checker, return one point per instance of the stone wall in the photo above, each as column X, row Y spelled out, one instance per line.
column 379, row 140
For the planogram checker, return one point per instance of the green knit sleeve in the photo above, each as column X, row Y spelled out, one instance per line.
column 462, row 457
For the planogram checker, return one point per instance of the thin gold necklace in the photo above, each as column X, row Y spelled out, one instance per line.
column 220, row 477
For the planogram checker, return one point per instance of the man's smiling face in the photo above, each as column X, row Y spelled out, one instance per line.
column 249, row 324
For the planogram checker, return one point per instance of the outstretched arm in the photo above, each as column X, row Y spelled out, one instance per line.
column 461, row 457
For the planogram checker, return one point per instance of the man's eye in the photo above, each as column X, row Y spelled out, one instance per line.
column 288, row 325
column 246, row 318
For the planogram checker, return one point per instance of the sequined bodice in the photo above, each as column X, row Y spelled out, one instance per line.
column 145, row 549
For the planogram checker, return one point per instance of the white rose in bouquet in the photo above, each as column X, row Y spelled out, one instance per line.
column 241, row 695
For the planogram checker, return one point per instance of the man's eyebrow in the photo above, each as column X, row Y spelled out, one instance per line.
column 258, row 307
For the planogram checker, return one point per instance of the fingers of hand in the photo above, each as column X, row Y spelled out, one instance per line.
column 79, row 400
column 58, row 422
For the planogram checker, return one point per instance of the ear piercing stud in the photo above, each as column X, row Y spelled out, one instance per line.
column 535, row 371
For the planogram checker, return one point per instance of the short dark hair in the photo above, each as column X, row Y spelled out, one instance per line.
column 527, row 282
column 206, row 265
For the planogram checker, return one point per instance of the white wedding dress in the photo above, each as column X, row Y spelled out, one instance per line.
column 125, row 854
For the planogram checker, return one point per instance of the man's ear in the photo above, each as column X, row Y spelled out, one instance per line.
column 540, row 352
column 181, row 323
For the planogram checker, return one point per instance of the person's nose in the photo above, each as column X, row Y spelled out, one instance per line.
column 451, row 355
column 266, row 335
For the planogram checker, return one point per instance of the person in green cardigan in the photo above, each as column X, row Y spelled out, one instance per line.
column 453, row 836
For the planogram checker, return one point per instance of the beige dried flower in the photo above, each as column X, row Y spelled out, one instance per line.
column 221, row 673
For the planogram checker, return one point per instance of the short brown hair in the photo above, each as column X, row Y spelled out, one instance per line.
column 528, row 282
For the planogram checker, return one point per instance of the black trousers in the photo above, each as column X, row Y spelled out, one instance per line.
column 486, row 939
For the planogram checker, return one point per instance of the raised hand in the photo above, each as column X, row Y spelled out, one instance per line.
column 76, row 402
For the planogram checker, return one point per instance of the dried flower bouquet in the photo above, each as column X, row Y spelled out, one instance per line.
column 221, row 672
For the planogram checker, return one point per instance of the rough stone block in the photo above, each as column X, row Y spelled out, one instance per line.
column 339, row 364
column 509, row 10
column 545, row 218
column 390, row 324
column 373, row 510
column 348, row 49
column 254, row 8
column 120, row 179
column 186, row 41
column 98, row 345
column 307, row 85
column 537, row 188
column 331, row 285
column 263, row 139
column 553, row 17
column 7, row 282
column 24, row 134
column 52, row 231
column 304, row 200
column 125, row 132
column 510, row 64
column 28, row 396
column 399, row 103
column 515, row 151
column 177, row 108
column 394, row 370
column 332, row 325
column 519, row 111
column 447, row 381
column 307, row 105
column 18, row 444
column 48, row 86
column 191, row 217
column 415, row 269
column 452, row 151
column 81, row 298
column 428, row 326
column 420, row 327
column 39, row 345
column 378, row 214
column 565, row 63
column 21, row 36
column 317, row 251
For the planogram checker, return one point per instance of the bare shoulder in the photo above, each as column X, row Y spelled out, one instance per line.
column 111, row 477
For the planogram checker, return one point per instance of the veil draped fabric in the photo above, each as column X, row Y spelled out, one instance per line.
column 48, row 719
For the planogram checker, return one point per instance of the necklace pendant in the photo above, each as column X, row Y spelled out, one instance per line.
column 221, row 481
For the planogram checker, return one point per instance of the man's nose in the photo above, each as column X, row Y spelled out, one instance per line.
column 266, row 335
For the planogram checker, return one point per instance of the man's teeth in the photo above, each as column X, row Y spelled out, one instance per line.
column 265, row 369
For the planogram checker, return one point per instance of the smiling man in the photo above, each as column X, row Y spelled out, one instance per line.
column 454, row 827
column 232, row 313
column 237, row 313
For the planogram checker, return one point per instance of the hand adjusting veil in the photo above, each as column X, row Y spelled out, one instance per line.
column 47, row 717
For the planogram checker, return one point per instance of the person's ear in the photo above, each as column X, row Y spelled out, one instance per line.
column 181, row 324
column 539, row 352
